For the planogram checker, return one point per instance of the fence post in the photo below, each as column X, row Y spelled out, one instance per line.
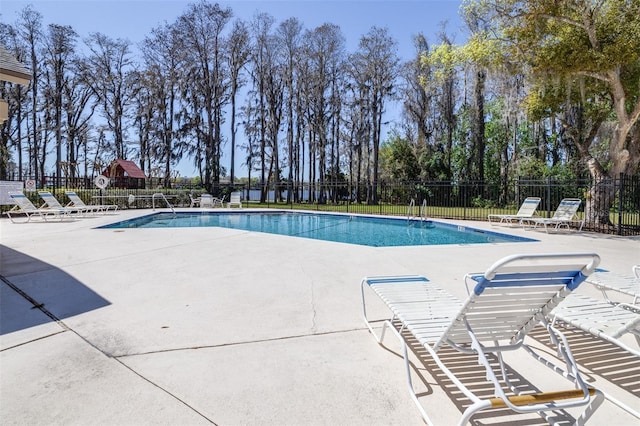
column 548, row 196
column 464, row 201
column 620, row 201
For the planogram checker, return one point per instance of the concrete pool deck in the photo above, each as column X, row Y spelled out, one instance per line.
column 212, row 325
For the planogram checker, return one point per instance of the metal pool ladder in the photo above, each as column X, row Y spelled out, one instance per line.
column 161, row 195
column 422, row 210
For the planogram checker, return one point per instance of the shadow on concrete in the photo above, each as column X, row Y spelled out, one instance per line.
column 33, row 292
column 603, row 358
column 473, row 375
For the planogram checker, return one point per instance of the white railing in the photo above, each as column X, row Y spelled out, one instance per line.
column 161, row 195
column 422, row 210
column 410, row 208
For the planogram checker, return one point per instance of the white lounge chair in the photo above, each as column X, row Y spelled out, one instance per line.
column 565, row 215
column 51, row 202
column 235, row 200
column 76, row 201
column 24, row 207
column 511, row 298
column 611, row 282
column 602, row 319
column 527, row 210
column 611, row 318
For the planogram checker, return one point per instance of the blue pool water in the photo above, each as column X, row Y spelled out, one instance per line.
column 362, row 230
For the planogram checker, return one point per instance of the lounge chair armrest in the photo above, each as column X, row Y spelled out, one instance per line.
column 470, row 280
column 541, row 398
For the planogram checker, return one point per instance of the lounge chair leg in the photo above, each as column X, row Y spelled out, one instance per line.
column 407, row 369
column 596, row 401
column 621, row 405
column 384, row 328
column 473, row 409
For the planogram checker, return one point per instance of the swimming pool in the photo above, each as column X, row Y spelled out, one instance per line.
column 350, row 229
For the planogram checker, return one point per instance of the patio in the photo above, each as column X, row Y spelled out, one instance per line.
column 212, row 325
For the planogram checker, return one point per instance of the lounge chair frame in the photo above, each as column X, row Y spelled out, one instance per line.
column 76, row 201
column 24, row 206
column 527, row 210
column 602, row 319
column 628, row 285
column 51, row 202
column 564, row 216
column 608, row 319
column 482, row 326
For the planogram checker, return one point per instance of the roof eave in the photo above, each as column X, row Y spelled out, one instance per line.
column 14, row 77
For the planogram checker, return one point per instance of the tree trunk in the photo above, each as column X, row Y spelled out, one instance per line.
column 600, row 197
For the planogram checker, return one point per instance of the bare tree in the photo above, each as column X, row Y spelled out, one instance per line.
column 337, row 97
column 109, row 73
column 17, row 97
column 200, row 29
column 163, row 60
column 146, row 106
column 290, row 32
column 302, row 121
column 262, row 62
column 79, row 104
column 30, row 28
column 377, row 56
column 324, row 51
column 447, row 104
column 252, row 146
column 60, row 46
column 416, row 94
column 238, row 56
column 359, row 130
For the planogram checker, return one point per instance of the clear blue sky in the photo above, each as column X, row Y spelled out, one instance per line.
column 134, row 19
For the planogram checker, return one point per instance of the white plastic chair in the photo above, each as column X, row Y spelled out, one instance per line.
column 206, row 200
column 235, row 200
column 219, row 201
column 194, row 201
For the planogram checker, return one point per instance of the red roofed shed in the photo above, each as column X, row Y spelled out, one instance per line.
column 125, row 174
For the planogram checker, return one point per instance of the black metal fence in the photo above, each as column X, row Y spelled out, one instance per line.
column 450, row 200
column 465, row 200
